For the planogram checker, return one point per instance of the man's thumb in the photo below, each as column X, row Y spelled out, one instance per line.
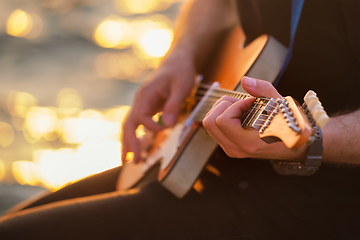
column 259, row 88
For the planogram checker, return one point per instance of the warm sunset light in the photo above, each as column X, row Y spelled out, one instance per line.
column 2, row 170
column 113, row 33
column 40, row 121
column 69, row 48
column 81, row 130
column 117, row 114
column 6, row 134
column 136, row 6
column 69, row 101
column 20, row 103
column 156, row 43
column 19, row 23
column 56, row 168
column 141, row 6
column 25, row 172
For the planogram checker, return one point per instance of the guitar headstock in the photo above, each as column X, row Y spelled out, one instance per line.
column 288, row 122
column 293, row 124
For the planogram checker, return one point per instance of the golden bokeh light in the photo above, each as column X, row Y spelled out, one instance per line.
column 144, row 24
column 156, row 43
column 25, row 172
column 97, row 156
column 81, row 130
column 20, row 103
column 69, row 101
column 113, row 32
column 40, row 121
column 6, row 134
column 128, row 7
column 69, row 143
column 19, row 23
column 91, row 114
column 54, row 167
column 2, row 170
column 135, row 6
column 117, row 114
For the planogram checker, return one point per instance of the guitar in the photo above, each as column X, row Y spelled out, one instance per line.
column 178, row 155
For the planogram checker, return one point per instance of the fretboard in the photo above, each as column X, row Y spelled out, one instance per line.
column 258, row 107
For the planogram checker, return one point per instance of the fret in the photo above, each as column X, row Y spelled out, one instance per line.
column 249, row 117
column 255, row 117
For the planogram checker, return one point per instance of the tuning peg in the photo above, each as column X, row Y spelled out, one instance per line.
column 310, row 95
column 320, row 117
column 316, row 109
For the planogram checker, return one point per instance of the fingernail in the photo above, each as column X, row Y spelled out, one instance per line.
column 168, row 119
column 250, row 82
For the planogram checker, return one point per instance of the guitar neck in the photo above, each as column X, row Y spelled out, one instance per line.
column 260, row 104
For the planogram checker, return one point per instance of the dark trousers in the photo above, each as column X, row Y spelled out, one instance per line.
column 247, row 201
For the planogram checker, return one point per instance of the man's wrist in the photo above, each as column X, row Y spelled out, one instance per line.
column 307, row 167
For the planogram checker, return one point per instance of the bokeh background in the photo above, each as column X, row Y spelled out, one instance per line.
column 68, row 73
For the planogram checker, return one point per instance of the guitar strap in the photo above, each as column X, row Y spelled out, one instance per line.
column 296, row 7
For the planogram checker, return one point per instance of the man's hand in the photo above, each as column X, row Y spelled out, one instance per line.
column 200, row 25
column 224, row 125
column 164, row 92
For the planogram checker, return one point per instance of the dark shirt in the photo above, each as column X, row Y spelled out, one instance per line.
column 326, row 47
column 325, row 59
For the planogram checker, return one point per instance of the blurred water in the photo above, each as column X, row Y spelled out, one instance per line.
column 63, row 56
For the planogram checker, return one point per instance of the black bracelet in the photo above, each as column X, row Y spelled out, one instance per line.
column 309, row 166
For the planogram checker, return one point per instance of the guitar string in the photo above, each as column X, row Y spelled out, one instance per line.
column 213, row 99
column 235, row 95
column 275, row 123
column 204, row 112
column 207, row 86
column 238, row 95
column 257, row 106
column 242, row 96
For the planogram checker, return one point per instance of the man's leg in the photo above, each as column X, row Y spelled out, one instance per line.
column 103, row 182
column 150, row 212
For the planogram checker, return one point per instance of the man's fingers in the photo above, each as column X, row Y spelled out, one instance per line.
column 172, row 107
column 259, row 88
column 209, row 123
column 222, row 99
column 237, row 109
column 149, row 123
column 229, row 121
column 130, row 143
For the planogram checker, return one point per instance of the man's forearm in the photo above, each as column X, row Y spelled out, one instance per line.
column 200, row 25
column 342, row 139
